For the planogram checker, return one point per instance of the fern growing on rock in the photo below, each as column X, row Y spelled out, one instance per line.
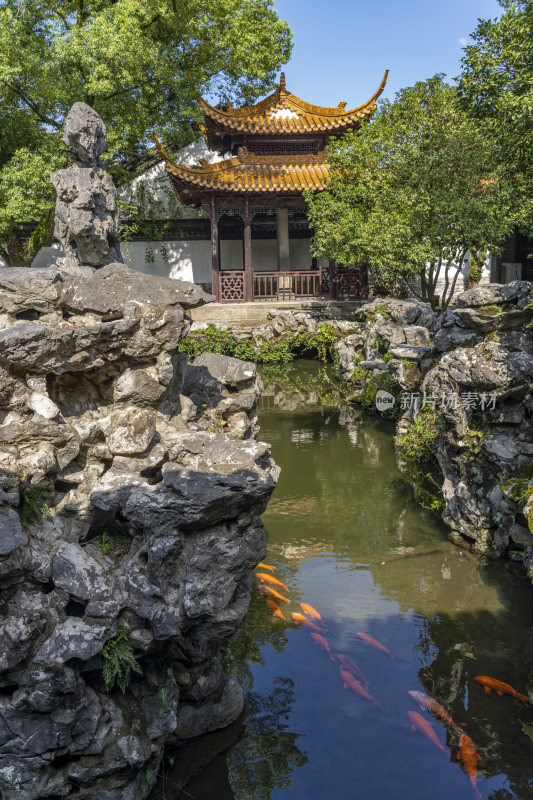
column 119, row 660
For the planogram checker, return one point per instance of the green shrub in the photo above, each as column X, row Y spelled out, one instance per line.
column 34, row 505
column 420, row 460
column 415, row 444
column 119, row 660
column 279, row 350
column 117, row 544
column 475, row 273
column 379, row 309
column 371, row 384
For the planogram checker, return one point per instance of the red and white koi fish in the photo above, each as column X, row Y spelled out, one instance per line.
column 310, row 611
column 300, row 619
column 351, row 683
column 418, row 723
column 350, row 666
column 272, row 593
column 369, row 640
column 264, row 577
column 467, row 752
column 276, row 610
column 424, row 701
column 500, row 688
column 321, row 642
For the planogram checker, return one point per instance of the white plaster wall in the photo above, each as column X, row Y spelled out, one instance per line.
column 463, row 279
column 161, row 200
column 187, row 261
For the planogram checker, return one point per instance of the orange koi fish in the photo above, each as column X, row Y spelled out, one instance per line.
column 467, row 752
column 264, row 577
column 351, row 683
column 276, row 610
column 312, row 612
column 349, row 665
column 321, row 642
column 301, row 620
column 500, row 688
column 272, row 593
column 374, row 643
column 418, row 723
column 265, row 566
column 424, row 701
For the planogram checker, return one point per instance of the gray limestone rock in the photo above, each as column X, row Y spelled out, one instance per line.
column 151, row 523
column 411, row 352
column 115, row 286
column 10, row 531
column 495, row 294
column 194, row 721
column 86, row 216
column 23, row 289
column 77, row 572
column 129, row 431
column 74, row 638
column 211, row 371
column 85, row 135
column 485, row 321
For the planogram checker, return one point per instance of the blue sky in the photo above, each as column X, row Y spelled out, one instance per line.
column 342, row 48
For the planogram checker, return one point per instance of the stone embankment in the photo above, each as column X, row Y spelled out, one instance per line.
column 463, row 388
column 131, row 485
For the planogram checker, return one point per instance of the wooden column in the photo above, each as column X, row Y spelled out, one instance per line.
column 247, row 245
column 282, row 228
column 215, row 252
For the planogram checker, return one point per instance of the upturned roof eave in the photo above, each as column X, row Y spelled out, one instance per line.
column 334, row 119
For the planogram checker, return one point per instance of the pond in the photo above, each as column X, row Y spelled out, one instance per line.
column 345, row 536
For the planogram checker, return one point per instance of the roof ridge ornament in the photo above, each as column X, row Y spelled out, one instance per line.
column 282, row 86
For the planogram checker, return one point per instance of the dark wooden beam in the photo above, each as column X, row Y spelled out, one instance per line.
column 215, row 252
column 247, row 244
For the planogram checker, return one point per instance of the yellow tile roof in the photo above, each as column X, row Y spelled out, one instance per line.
column 248, row 173
column 283, row 112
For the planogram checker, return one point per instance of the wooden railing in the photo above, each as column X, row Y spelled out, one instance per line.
column 349, row 283
column 287, row 285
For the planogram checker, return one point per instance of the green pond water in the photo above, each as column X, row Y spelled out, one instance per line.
column 346, row 536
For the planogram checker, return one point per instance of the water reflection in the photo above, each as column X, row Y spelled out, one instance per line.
column 346, row 536
column 266, row 756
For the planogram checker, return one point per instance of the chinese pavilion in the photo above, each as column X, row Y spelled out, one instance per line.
column 274, row 151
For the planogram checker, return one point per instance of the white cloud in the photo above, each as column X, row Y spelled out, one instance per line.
column 462, row 41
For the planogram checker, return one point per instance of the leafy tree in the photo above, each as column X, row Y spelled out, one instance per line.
column 496, row 87
column 412, row 192
column 139, row 63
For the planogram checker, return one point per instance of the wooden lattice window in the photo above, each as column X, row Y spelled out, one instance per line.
column 231, row 286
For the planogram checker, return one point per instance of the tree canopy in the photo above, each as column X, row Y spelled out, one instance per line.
column 139, row 63
column 417, row 186
column 496, row 87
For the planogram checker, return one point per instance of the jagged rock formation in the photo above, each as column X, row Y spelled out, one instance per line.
column 482, row 457
column 144, row 528
column 86, row 216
